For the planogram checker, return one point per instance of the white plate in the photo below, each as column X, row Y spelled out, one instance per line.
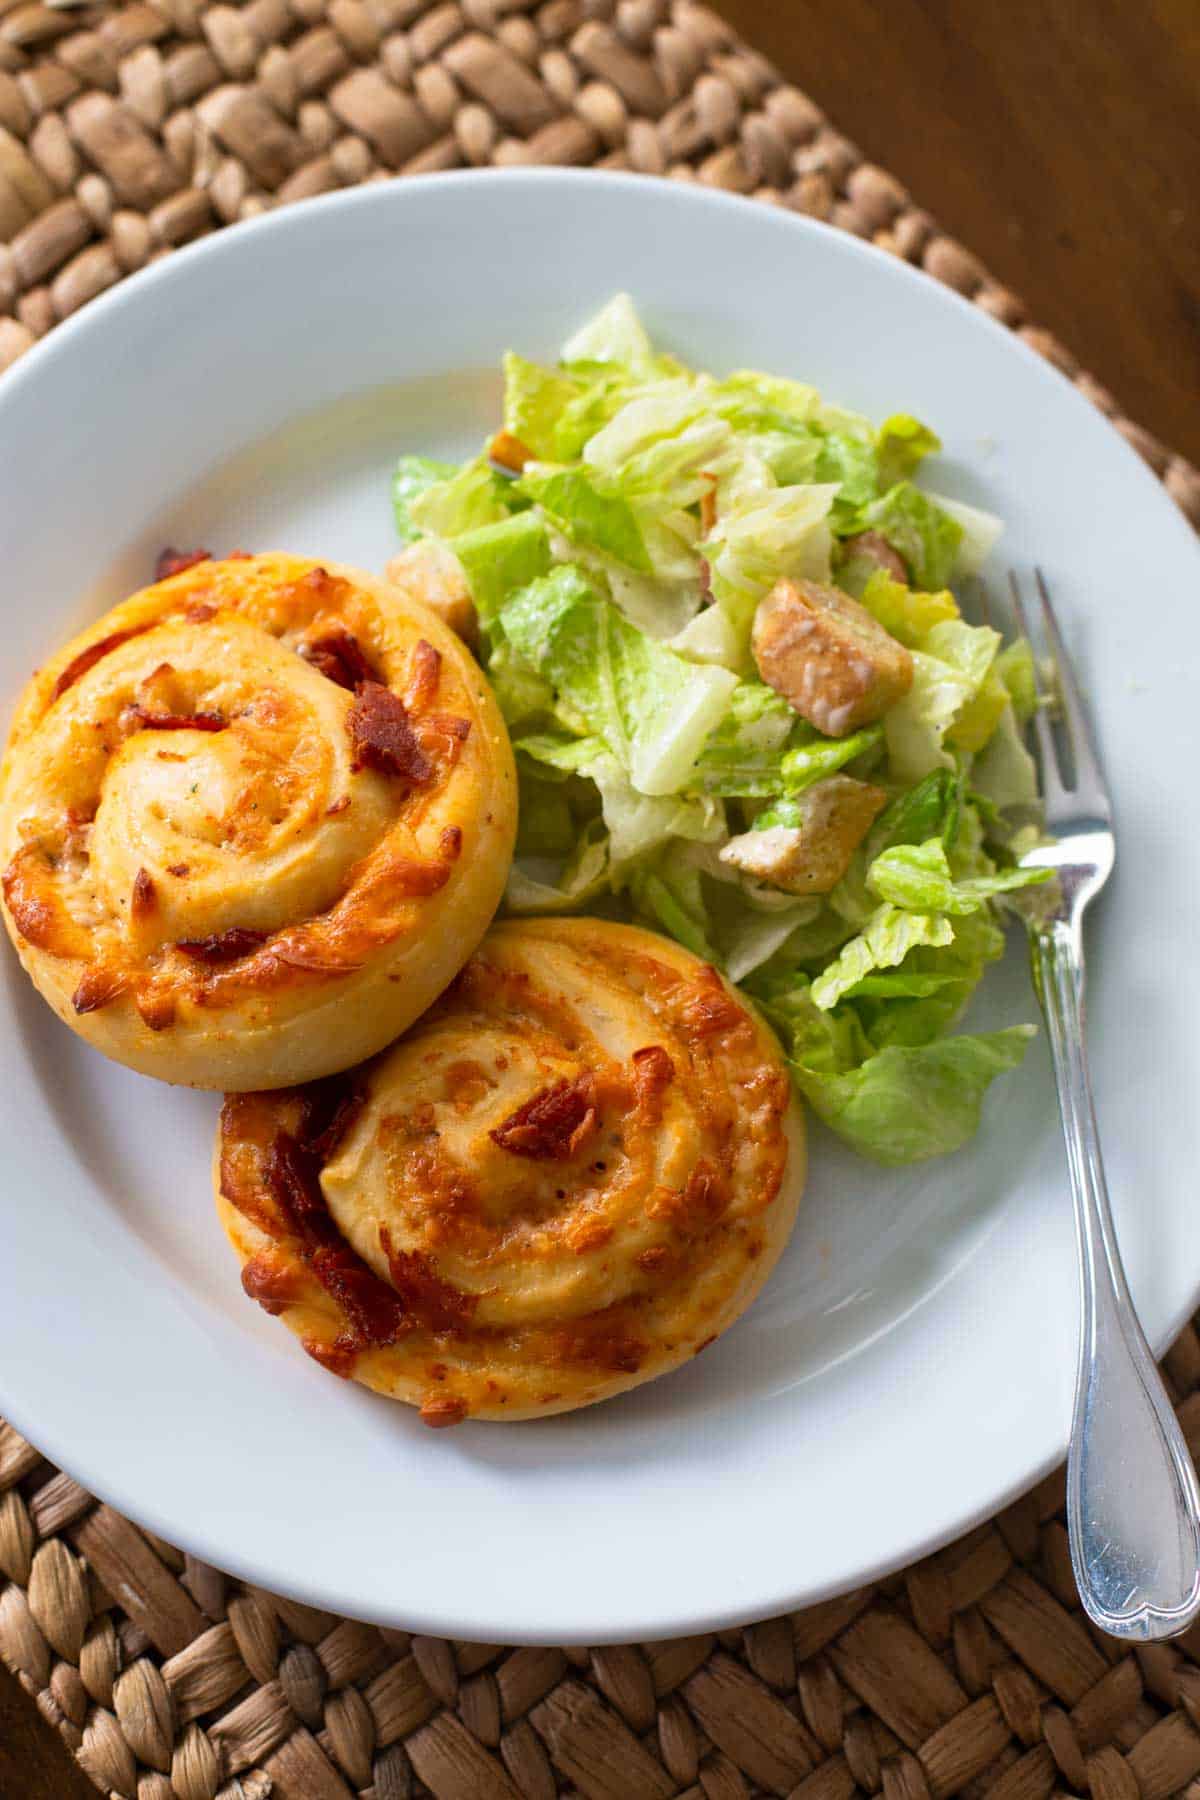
column 909, row 1367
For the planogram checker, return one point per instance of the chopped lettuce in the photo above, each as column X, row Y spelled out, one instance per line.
column 498, row 559
column 669, row 894
column 1004, row 773
column 760, row 539
column 852, row 465
column 1014, row 666
column 545, row 824
column 748, row 398
column 587, row 515
column 980, row 717
column 909, row 614
column 653, row 709
column 915, row 728
column 616, row 336
column 641, row 823
column 658, row 443
column 710, row 637
column 910, row 1102
column 930, row 809
column 411, row 476
column 743, row 755
column 918, row 529
column 884, row 941
column 980, row 532
column 901, row 444
column 535, row 400
column 917, row 877
column 616, row 580
column 523, row 696
column 752, row 937
column 811, row 762
column 471, row 496
column 534, row 888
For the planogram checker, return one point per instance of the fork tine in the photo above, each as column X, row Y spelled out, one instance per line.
column 981, row 599
column 1052, row 783
column 1089, row 782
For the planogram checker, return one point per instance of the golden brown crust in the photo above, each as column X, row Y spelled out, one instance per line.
column 252, row 821
column 828, row 656
column 575, row 1171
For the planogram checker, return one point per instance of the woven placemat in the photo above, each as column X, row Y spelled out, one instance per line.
column 125, row 131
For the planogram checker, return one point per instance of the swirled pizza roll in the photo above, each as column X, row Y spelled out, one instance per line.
column 573, row 1173
column 253, row 821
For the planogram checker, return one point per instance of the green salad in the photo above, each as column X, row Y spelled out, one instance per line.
column 641, row 545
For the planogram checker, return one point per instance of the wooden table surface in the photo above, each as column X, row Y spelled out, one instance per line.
column 1059, row 140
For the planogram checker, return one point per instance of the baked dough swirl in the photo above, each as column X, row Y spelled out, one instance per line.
column 574, row 1172
column 252, row 821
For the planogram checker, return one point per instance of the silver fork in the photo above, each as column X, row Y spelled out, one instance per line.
column 1133, row 1510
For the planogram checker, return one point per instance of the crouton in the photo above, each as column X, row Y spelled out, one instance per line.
column 431, row 572
column 825, row 654
column 810, row 857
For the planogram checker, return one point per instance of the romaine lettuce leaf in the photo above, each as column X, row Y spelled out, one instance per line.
column 636, row 823
column 971, row 649
column 917, row 877
column 756, row 541
column 919, row 1019
column 667, row 893
column 980, row 716
column 933, row 808
column 586, row 514
column 811, row 762
column 653, row 709
column 980, row 530
column 907, row 1103
column 562, row 751
column 583, row 878
column 655, row 447
column 639, row 824
column 535, row 399
column 743, row 756
column 930, row 809
column 614, row 336
column 411, row 476
column 710, row 637
column 751, row 400
column 884, row 941
column 851, row 463
column 918, row 529
column 522, row 695
column 1014, row 665
column 915, row 728
column 908, row 613
column 1004, row 772
column 901, row 444
column 498, row 559
column 473, row 495
column 750, row 938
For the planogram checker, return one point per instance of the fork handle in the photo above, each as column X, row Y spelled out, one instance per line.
column 1132, row 1503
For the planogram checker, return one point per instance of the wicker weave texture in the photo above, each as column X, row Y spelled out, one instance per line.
column 126, row 130
column 973, row 1674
